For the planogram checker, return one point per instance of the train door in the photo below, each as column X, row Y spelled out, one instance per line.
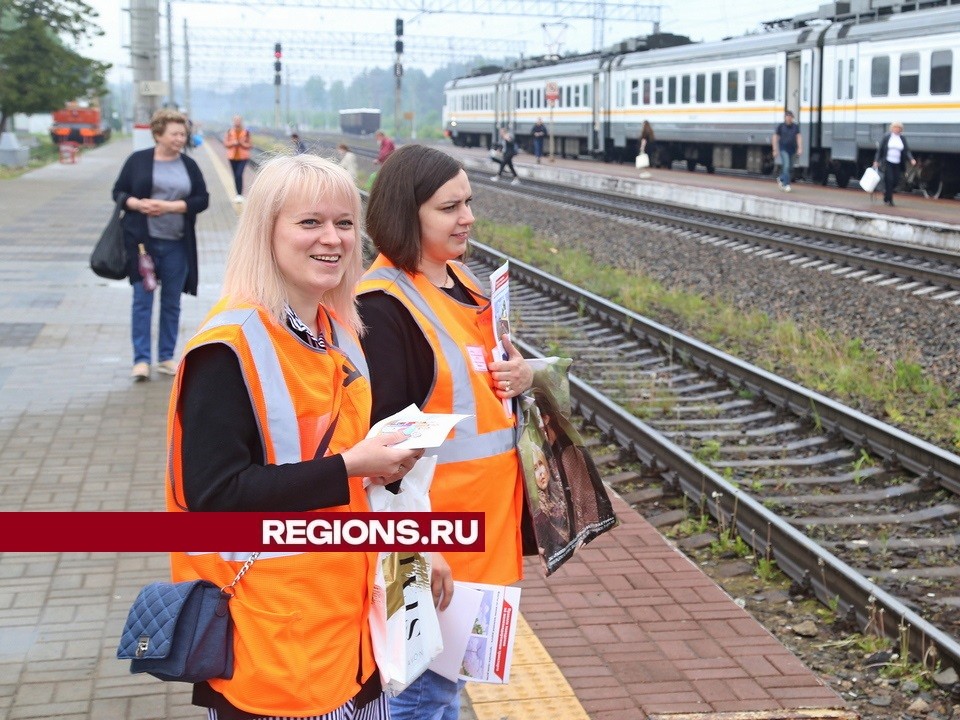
column 845, row 107
column 598, row 104
column 797, row 95
column 501, row 110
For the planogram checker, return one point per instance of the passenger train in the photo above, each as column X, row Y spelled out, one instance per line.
column 846, row 74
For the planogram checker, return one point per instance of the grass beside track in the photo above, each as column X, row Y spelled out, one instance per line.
column 896, row 390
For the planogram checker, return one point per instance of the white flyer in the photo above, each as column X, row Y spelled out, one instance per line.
column 489, row 652
column 423, row 430
column 500, row 306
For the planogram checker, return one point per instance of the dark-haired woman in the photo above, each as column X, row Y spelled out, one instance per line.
column 429, row 342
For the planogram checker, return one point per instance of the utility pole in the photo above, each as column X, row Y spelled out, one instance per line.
column 398, row 74
column 277, row 54
column 144, row 57
column 186, row 70
column 170, row 99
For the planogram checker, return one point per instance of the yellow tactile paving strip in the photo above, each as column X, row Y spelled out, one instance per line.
column 223, row 172
column 537, row 688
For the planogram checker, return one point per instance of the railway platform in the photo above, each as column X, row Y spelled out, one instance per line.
column 913, row 220
column 628, row 629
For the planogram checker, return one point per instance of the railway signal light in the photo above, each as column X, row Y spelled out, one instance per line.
column 277, row 54
column 398, row 46
column 399, row 27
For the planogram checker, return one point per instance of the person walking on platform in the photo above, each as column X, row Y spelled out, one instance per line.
column 787, row 144
column 270, row 414
column 238, row 146
column 387, row 147
column 891, row 152
column 648, row 142
column 428, row 342
column 298, row 145
column 164, row 191
column 508, row 150
column 348, row 161
column 539, row 133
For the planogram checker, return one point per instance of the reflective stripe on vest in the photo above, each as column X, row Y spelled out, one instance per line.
column 345, row 341
column 281, row 416
column 468, row 444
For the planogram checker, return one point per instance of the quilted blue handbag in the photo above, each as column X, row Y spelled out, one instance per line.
column 181, row 631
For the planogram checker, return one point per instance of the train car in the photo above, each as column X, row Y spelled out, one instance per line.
column 846, row 72
column 713, row 104
column 359, row 121
column 901, row 68
column 469, row 115
column 80, row 124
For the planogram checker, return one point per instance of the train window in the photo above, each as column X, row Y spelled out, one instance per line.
column 941, row 70
column 672, row 90
column 805, row 82
column 701, row 88
column 769, row 83
column 880, row 76
column 839, row 79
column 685, row 89
column 568, row 104
column 576, row 96
column 910, row 73
column 634, row 91
column 733, row 81
column 646, row 91
column 716, row 83
column 851, row 76
column 658, row 91
column 586, row 95
column 749, row 84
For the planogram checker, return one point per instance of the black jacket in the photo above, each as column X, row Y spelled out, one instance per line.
column 881, row 156
column 136, row 180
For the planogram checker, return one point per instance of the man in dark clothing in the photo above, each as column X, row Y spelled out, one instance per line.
column 539, row 133
column 787, row 144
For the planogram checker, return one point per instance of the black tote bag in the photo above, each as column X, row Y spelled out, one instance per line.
column 109, row 256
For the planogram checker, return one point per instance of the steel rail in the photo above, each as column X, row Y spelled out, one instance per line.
column 847, row 251
column 800, row 558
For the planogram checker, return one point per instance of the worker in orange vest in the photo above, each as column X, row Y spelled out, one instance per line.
column 238, row 146
column 270, row 414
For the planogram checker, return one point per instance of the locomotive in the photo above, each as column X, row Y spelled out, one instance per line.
column 80, row 124
column 846, row 72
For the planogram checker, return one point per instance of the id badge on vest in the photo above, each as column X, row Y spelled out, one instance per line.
column 477, row 358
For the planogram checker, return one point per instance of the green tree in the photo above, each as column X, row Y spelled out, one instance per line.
column 38, row 71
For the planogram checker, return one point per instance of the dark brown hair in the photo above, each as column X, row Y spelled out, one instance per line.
column 408, row 178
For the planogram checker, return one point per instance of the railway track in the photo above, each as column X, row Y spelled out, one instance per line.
column 928, row 272
column 861, row 515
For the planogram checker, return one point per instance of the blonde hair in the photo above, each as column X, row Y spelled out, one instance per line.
column 896, row 124
column 252, row 274
column 163, row 117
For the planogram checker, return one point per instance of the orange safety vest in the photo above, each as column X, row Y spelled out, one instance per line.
column 302, row 639
column 236, row 151
column 478, row 468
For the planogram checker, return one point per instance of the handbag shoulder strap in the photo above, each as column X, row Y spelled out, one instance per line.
column 228, row 589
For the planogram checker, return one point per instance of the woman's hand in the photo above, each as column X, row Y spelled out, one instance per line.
column 513, row 375
column 441, row 581
column 377, row 459
column 876, row 165
column 154, row 208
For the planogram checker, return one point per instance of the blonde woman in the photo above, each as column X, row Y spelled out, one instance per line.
column 891, row 152
column 269, row 413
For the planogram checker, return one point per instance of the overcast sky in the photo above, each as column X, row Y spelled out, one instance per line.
column 700, row 19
